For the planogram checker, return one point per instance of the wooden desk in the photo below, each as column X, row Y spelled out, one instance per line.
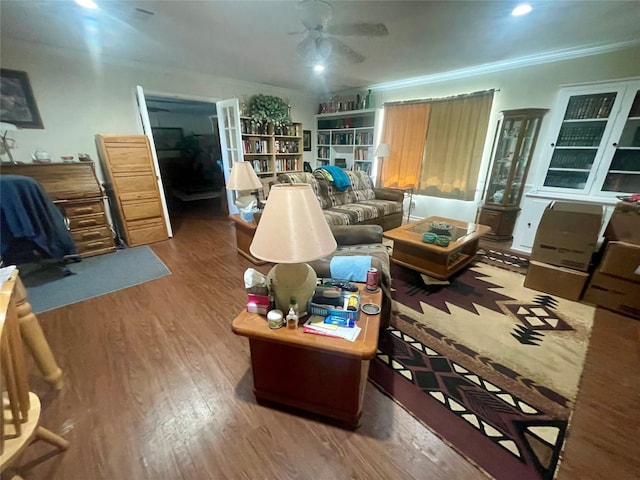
column 244, row 236
column 320, row 374
column 439, row 262
column 75, row 190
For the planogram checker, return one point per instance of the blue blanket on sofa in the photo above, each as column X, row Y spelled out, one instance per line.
column 340, row 179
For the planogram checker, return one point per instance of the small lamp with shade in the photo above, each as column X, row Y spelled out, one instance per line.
column 291, row 232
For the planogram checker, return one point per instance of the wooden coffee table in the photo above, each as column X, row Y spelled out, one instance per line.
column 319, row 374
column 439, row 262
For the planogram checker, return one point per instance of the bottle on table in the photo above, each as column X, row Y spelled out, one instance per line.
column 293, row 303
column 292, row 319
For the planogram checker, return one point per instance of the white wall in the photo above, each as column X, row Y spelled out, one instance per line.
column 79, row 97
column 533, row 86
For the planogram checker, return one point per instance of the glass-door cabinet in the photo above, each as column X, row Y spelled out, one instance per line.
column 596, row 145
column 515, row 141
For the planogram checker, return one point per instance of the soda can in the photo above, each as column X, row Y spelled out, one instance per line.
column 372, row 279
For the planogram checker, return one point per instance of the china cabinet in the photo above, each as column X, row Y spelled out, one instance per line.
column 515, row 141
column 346, row 139
column 596, row 143
column 592, row 153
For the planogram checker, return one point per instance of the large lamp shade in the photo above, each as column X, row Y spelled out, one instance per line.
column 292, row 230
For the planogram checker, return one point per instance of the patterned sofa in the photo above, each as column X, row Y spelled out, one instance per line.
column 359, row 204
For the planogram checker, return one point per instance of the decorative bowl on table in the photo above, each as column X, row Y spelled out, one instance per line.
column 441, row 228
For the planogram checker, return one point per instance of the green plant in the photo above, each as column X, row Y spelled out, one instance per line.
column 264, row 109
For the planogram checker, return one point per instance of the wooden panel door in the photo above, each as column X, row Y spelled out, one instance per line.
column 128, row 162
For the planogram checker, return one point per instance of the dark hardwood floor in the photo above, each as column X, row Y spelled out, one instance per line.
column 158, row 387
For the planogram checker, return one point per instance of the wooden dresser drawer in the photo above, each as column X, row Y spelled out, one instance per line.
column 83, row 208
column 88, row 234
column 94, row 247
column 86, row 221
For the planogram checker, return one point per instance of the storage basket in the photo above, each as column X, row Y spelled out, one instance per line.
column 324, row 311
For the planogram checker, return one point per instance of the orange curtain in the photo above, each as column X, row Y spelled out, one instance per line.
column 404, row 129
column 453, row 147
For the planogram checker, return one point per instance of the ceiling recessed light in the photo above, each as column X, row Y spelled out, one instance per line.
column 318, row 68
column 521, row 9
column 87, row 4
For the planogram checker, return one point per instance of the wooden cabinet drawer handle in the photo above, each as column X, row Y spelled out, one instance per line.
column 86, row 223
column 95, row 244
column 89, row 235
column 84, row 210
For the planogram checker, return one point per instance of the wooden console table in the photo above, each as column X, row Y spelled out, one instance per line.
column 319, row 374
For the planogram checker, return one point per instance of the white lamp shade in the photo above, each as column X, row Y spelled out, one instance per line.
column 382, row 150
column 243, row 177
column 292, row 228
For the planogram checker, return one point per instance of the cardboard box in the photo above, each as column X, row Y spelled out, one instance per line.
column 614, row 293
column 622, row 260
column 560, row 281
column 567, row 235
column 624, row 225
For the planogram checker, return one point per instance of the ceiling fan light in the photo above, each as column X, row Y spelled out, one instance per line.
column 90, row 4
column 521, row 9
column 318, row 68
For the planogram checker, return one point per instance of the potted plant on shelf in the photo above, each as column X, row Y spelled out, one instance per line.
column 267, row 109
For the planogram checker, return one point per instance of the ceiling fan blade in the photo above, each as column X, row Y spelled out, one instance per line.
column 362, row 29
column 344, row 50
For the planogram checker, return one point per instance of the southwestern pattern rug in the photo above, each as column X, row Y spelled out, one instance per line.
column 492, row 367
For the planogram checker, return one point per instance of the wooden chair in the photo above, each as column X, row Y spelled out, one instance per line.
column 19, row 422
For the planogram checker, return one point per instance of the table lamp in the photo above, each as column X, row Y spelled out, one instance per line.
column 382, row 151
column 243, row 177
column 292, row 231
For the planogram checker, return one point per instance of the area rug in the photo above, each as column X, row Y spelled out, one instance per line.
column 504, row 259
column 49, row 288
column 490, row 366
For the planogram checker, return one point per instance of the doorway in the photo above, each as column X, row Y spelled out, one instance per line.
column 187, row 146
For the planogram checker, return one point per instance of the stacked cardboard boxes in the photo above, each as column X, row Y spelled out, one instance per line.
column 564, row 245
column 616, row 283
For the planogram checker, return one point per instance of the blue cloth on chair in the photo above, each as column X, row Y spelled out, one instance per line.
column 27, row 213
column 340, row 179
column 350, row 267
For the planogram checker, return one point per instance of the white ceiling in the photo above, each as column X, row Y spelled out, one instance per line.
column 250, row 40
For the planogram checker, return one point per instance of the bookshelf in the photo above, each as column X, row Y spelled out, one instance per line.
column 346, row 139
column 596, row 148
column 272, row 150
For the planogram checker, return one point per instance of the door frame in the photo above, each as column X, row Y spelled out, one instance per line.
column 144, row 126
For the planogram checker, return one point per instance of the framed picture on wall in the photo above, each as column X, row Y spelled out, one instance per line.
column 166, row 138
column 17, row 103
column 306, row 140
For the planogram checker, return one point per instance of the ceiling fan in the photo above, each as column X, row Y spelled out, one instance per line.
column 319, row 42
